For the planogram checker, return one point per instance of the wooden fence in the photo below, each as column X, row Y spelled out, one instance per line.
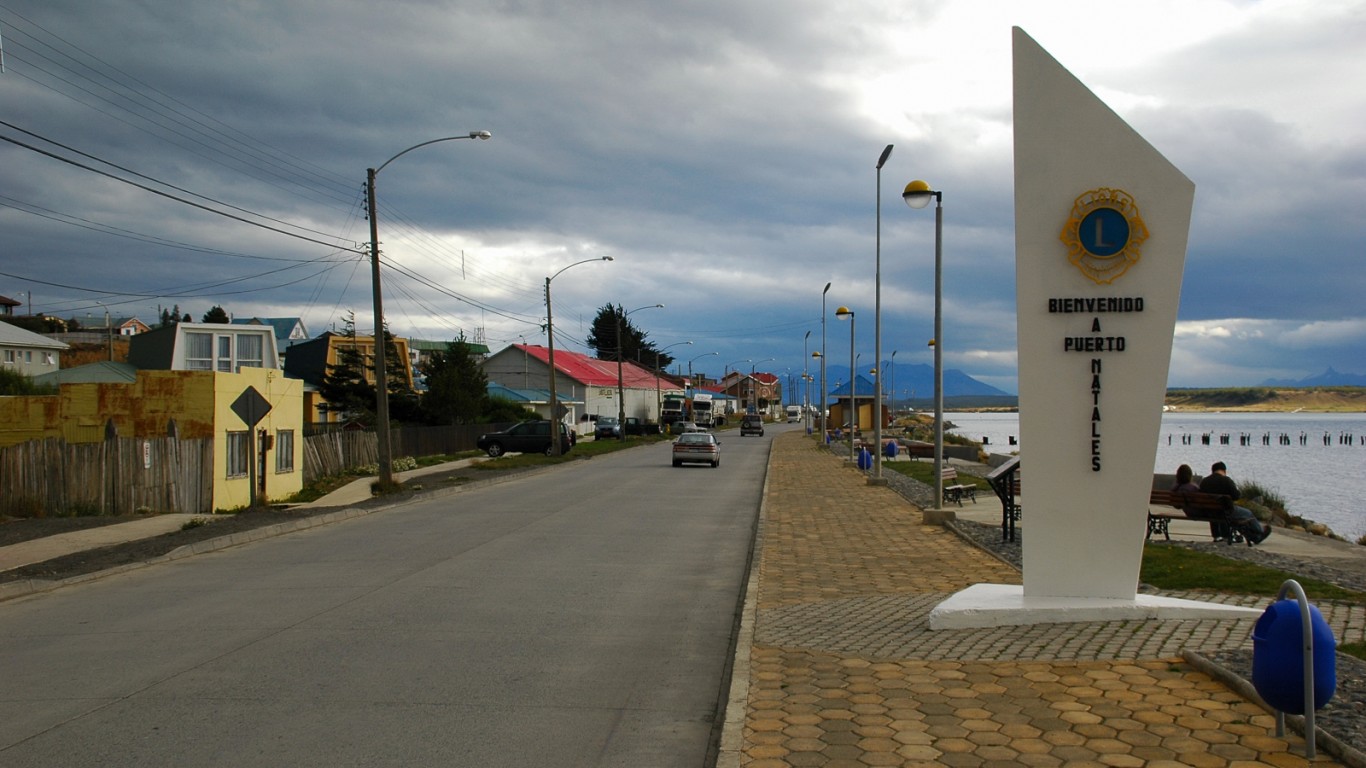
column 332, row 453
column 51, row 477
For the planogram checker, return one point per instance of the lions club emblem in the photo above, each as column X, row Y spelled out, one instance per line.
column 1103, row 234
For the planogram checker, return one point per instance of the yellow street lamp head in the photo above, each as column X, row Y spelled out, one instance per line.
column 917, row 194
column 844, row 312
column 817, row 353
column 931, row 344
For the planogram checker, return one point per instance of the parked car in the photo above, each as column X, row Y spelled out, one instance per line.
column 697, row 448
column 685, row 427
column 752, row 424
column 525, row 437
column 607, row 429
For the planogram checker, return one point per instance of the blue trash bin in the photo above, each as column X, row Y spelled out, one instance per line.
column 1278, row 657
column 865, row 459
column 890, row 449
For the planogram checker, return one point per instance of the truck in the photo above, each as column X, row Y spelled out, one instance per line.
column 794, row 414
column 702, row 414
column 674, row 409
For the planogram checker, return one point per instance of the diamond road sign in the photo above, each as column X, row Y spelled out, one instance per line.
column 251, row 407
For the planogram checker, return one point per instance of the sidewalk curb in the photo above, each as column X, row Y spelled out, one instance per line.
column 737, row 701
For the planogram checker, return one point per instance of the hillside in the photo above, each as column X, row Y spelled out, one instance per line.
column 1282, row 399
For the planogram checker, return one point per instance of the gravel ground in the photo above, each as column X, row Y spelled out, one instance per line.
column 1343, row 719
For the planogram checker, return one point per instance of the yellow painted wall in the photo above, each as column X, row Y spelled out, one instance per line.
column 200, row 402
column 286, row 413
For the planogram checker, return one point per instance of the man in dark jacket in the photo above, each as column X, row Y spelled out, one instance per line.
column 1219, row 482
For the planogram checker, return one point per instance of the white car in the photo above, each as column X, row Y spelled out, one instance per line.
column 697, row 448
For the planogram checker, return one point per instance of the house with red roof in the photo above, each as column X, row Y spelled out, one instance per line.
column 587, row 386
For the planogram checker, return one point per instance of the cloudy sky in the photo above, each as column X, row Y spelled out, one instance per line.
column 195, row 153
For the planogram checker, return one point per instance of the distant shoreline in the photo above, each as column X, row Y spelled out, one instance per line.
column 1228, row 400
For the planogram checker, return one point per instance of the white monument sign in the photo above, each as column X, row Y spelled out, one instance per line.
column 1101, row 220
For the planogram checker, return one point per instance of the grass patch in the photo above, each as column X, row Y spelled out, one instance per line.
column 1353, row 649
column 1178, row 568
column 923, row 470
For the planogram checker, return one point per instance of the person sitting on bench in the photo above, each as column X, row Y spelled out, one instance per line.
column 1218, row 481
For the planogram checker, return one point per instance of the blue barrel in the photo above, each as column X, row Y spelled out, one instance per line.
column 1278, row 657
column 889, row 450
column 865, row 459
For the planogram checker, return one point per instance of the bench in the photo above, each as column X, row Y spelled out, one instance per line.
column 915, row 449
column 1192, row 505
column 954, row 491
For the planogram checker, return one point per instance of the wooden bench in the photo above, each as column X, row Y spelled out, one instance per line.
column 1191, row 505
column 955, row 491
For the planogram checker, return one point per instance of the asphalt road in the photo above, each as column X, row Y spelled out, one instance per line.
column 578, row 617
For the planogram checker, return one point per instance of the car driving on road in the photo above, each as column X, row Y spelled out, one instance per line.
column 524, row 437
column 752, row 424
column 697, row 448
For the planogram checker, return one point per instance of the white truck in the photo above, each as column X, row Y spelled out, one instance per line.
column 794, row 414
column 702, row 414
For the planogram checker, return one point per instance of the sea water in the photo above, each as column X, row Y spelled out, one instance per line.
column 1316, row 462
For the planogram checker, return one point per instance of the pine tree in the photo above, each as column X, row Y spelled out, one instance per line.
column 217, row 315
column 602, row 339
column 457, row 388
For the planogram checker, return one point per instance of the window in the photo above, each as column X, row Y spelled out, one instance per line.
column 9, row 357
column 225, row 354
column 47, row 358
column 198, row 351
column 239, row 445
column 249, row 351
column 284, row 450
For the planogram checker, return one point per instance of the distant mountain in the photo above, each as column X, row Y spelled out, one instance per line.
column 1329, row 378
column 915, row 382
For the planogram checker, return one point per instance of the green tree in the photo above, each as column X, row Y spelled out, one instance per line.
column 457, row 388
column 217, row 315
column 634, row 346
column 15, row 383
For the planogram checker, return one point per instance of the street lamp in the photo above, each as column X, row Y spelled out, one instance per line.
column 847, row 313
column 876, row 479
column 917, row 195
column 550, row 338
column 386, row 459
column 892, row 388
column 621, row 387
column 825, row 393
column 659, row 398
column 691, row 382
column 806, row 385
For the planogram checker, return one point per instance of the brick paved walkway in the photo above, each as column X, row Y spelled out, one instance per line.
column 843, row 671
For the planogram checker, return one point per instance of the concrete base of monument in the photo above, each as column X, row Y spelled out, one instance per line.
column 1005, row 605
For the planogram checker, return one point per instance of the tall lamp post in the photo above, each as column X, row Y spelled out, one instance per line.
column 825, row 393
column 876, row 479
column 892, row 388
column 386, row 458
column 917, row 195
column 555, row 420
column 621, row 385
column 691, row 382
column 806, row 384
column 845, row 313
